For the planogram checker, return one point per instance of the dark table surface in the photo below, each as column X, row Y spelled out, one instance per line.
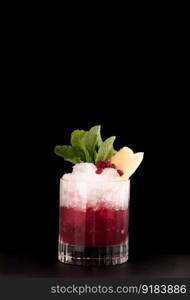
column 154, row 266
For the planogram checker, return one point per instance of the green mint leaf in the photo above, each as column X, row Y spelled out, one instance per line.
column 88, row 156
column 106, row 149
column 93, row 139
column 95, row 155
column 111, row 153
column 70, row 153
column 78, row 139
column 99, row 143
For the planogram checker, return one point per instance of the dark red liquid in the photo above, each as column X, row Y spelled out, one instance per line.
column 97, row 226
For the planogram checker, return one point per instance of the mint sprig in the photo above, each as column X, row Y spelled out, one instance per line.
column 87, row 146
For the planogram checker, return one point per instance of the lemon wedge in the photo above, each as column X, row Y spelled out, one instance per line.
column 127, row 161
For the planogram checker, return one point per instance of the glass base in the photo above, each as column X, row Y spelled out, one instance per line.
column 93, row 256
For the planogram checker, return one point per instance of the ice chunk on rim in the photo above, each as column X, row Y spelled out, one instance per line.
column 84, row 168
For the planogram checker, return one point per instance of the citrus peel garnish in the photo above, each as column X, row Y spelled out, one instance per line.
column 127, row 161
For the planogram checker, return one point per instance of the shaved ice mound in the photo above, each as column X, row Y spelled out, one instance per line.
column 84, row 188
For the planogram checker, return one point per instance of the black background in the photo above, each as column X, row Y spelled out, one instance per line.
column 158, row 212
column 136, row 96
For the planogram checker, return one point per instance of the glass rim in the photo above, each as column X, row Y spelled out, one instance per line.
column 88, row 181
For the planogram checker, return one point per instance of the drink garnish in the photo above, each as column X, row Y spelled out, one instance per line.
column 88, row 146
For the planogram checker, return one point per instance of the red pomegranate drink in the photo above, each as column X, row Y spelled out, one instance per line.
column 97, row 226
column 94, row 200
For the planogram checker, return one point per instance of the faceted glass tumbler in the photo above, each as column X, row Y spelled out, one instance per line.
column 93, row 222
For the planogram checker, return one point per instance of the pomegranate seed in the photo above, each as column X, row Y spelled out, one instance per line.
column 113, row 166
column 120, row 172
column 99, row 171
column 108, row 163
column 104, row 164
column 99, row 164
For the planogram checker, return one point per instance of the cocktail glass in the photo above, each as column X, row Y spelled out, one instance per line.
column 93, row 222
